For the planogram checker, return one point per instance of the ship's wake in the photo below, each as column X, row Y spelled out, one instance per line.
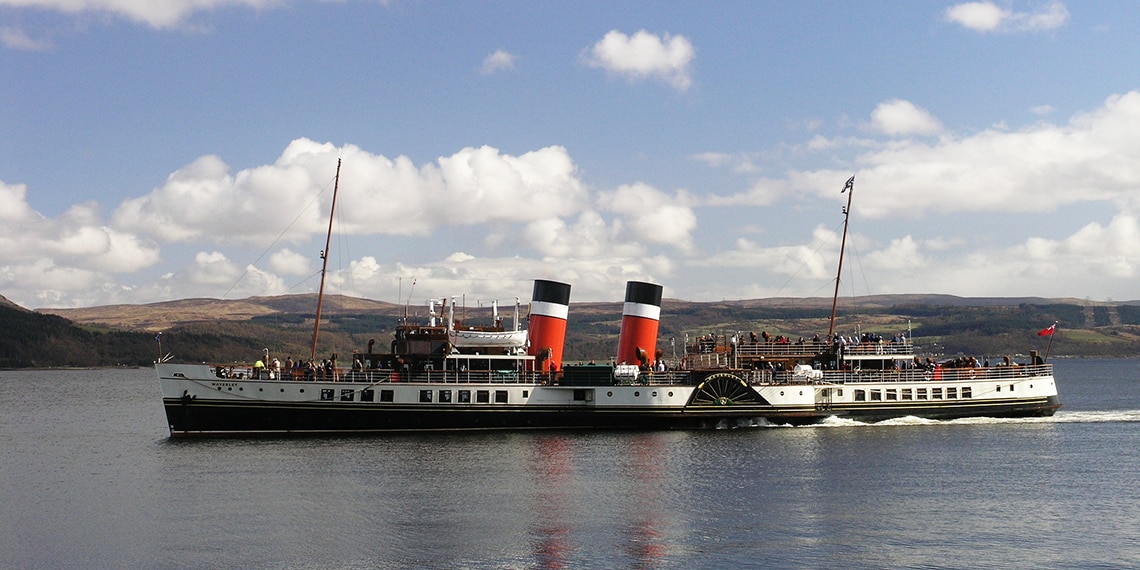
column 1061, row 417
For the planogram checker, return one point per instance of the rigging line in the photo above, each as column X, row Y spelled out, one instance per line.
column 803, row 265
column 303, row 281
column 862, row 272
column 344, row 252
column 277, row 239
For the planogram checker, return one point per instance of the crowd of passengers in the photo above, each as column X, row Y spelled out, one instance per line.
column 867, row 341
column 276, row 370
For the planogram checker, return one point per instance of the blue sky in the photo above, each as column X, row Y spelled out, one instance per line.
column 186, row 148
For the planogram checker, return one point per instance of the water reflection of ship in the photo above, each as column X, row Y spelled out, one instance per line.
column 646, row 542
column 553, row 475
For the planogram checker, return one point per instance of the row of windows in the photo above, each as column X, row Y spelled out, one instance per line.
column 426, row 396
column 915, row 394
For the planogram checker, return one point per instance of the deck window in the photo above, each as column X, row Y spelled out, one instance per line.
column 482, row 396
column 367, row 395
column 346, row 395
column 387, row 395
column 967, row 392
column 936, row 393
column 860, row 396
column 464, row 396
column 907, row 394
column 425, row 396
column 500, row 396
column 892, row 394
column 876, row 395
column 445, row 396
column 951, row 393
column 327, row 394
column 920, row 393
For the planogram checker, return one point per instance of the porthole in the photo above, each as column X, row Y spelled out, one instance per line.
column 801, row 392
column 302, row 390
column 655, row 394
column 240, row 389
column 282, row 390
column 609, row 394
column 261, row 389
column 670, row 394
column 230, row 389
column 781, row 392
column 219, row 388
column 637, row 394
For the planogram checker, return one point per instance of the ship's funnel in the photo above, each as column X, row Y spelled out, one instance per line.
column 638, row 340
column 546, row 329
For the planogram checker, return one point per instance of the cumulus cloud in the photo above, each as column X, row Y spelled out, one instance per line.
column 1039, row 168
column 644, row 55
column 898, row 117
column 153, row 13
column 289, row 262
column 72, row 258
column 205, row 202
column 989, row 17
column 653, row 216
column 498, row 61
column 1036, row 169
column 587, row 237
column 814, row 260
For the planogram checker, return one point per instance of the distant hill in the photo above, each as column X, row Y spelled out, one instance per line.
column 216, row 330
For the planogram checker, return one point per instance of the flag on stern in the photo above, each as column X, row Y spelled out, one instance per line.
column 1048, row 331
column 850, row 184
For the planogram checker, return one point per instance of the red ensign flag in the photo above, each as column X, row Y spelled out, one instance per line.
column 1048, row 331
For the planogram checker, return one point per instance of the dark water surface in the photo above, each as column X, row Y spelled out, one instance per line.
column 90, row 480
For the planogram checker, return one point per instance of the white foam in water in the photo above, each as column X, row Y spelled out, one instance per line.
column 1060, row 418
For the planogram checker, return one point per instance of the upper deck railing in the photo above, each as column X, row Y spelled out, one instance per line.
column 797, row 348
column 1002, row 372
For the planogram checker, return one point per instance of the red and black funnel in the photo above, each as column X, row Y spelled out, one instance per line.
column 546, row 329
column 638, row 341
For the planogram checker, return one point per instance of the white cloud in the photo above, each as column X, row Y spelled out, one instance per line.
column 814, row 260
column 154, row 13
column 72, row 259
column 289, row 262
column 1040, row 168
column 204, row 202
column 898, row 117
column 738, row 162
column 902, row 253
column 1037, row 169
column 653, row 216
column 989, row 17
column 498, row 61
column 588, row 237
column 78, row 238
column 643, row 55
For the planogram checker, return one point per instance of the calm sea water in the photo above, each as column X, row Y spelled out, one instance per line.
column 90, row 480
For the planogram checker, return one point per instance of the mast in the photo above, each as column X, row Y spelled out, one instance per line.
column 325, row 266
column 842, row 245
